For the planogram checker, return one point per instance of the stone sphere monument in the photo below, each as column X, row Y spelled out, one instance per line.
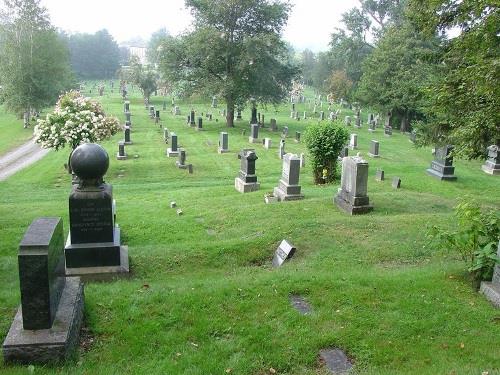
column 90, row 161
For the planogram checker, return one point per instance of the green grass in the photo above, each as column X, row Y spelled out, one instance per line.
column 12, row 131
column 203, row 298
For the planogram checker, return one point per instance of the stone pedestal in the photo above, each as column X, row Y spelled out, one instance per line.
column 352, row 195
column 492, row 164
column 288, row 188
column 442, row 165
column 247, row 179
column 172, row 151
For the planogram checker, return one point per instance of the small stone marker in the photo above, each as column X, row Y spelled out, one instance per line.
column 165, row 135
column 121, row 155
column 181, row 162
column 173, row 151
column 254, row 135
column 353, row 143
column 288, row 188
column 173, row 204
column 374, row 149
column 284, row 251
column 127, row 140
column 357, row 121
column 281, row 151
column 300, row 304
column 379, row 175
column 442, row 165
column 200, row 124
column 396, row 183
column 274, row 127
column 491, row 290
column 284, row 133
column 47, row 324
column 191, row 119
column 267, row 143
column 352, row 195
column 492, row 164
column 247, row 179
column 335, row 360
column 297, row 137
column 223, row 142
column 179, row 212
column 387, row 130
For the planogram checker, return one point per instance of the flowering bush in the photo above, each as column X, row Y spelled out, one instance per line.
column 75, row 120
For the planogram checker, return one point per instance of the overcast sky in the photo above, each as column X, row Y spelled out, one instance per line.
column 309, row 26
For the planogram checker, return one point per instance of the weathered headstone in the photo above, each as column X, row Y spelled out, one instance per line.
column 223, row 142
column 93, row 245
column 352, row 195
column 254, row 135
column 247, row 179
column 387, row 130
column 288, row 188
column 267, row 143
column 284, row 133
column 127, row 140
column 442, row 165
column 121, row 155
column 335, row 360
column 353, row 143
column 374, row 149
column 191, row 119
column 284, row 251
column 253, row 119
column 379, row 175
column 347, row 120
column 181, row 162
column 492, row 164
column 173, row 151
column 371, row 127
column 47, row 324
column 357, row 121
column 297, row 137
column 491, row 290
column 274, row 127
column 200, row 124
column 396, row 182
column 165, row 135
column 322, row 115
column 177, row 111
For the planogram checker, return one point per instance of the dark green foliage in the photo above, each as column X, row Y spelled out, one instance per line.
column 324, row 141
column 144, row 77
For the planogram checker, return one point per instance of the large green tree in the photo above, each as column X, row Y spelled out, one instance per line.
column 463, row 104
column 235, row 51
column 34, row 62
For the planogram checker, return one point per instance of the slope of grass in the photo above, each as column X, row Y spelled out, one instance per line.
column 202, row 297
column 12, row 131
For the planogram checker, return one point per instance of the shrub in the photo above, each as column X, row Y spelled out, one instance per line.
column 475, row 238
column 325, row 140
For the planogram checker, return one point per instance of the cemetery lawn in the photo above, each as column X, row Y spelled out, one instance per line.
column 13, row 133
column 202, row 297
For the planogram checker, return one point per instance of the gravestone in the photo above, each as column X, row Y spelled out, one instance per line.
column 343, row 153
column 442, row 165
column 322, row 115
column 396, row 183
column 387, row 131
column 284, row 252
column 223, row 142
column 281, row 150
column 371, row 117
column 181, row 162
column 262, row 122
column 254, row 135
column 492, row 164
column 267, row 143
column 47, row 324
column 347, row 120
column 173, row 151
column 191, row 119
column 165, row 135
column 297, row 137
column 274, row 127
column 247, row 179
column 491, row 290
column 121, row 155
column 371, row 127
column 157, row 116
column 288, row 188
column 284, row 133
column 127, row 116
column 300, row 304
column 357, row 121
column 200, row 124
column 379, row 175
column 151, row 111
column 352, row 195
column 253, row 119
column 335, row 360
column 127, row 140
column 374, row 149
column 304, row 117
column 258, row 118
column 302, row 160
column 177, row 111
column 353, row 143
column 93, row 246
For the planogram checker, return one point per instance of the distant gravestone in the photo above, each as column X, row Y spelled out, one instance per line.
column 191, row 119
column 165, row 135
column 387, row 131
column 492, row 164
column 177, row 111
column 200, row 124
column 214, row 102
column 352, row 195
column 238, row 114
column 254, row 135
column 181, row 162
column 247, row 179
column 343, row 153
column 357, row 121
column 379, row 175
column 47, row 324
column 284, row 133
column 396, row 183
column 121, row 155
column 322, row 115
column 302, row 160
column 353, row 143
column 304, row 117
column 491, row 290
column 347, row 120
column 253, row 119
column 297, row 137
column 173, row 150
column 374, row 149
column 442, row 165
column 127, row 140
column 288, row 187
column 223, row 142
column 284, row 252
column 371, row 127
column 267, row 143
column 281, row 151
column 274, row 127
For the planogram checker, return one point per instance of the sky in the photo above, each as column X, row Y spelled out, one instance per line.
column 309, row 25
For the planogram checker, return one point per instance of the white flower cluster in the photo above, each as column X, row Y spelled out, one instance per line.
column 75, row 120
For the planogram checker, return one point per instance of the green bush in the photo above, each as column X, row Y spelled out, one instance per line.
column 325, row 140
column 475, row 238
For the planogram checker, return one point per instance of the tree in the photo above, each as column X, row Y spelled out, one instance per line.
column 34, row 65
column 463, row 103
column 157, row 38
column 144, row 77
column 94, row 56
column 235, row 51
column 339, row 85
column 307, row 64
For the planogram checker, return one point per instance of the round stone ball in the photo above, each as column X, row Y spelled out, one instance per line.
column 89, row 161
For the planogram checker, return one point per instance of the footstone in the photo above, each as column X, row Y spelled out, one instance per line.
column 288, row 187
column 335, row 360
column 300, row 304
column 396, row 183
column 491, row 290
column 284, row 252
column 374, row 149
column 442, row 165
column 379, row 175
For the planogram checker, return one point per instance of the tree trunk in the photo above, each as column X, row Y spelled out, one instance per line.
column 404, row 122
column 230, row 112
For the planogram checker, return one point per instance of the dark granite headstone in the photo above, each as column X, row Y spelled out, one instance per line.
column 191, row 119
column 253, row 120
column 247, row 179
column 442, row 165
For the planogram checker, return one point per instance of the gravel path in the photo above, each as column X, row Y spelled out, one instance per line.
column 20, row 158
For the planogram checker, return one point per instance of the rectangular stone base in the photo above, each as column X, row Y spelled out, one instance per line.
column 199, row 129
column 492, row 292
column 245, row 187
column 436, row 174
column 283, row 196
column 48, row 345
column 373, row 155
column 222, row 151
column 118, row 157
column 171, row 154
column 349, row 208
column 254, row 140
column 189, row 167
column 103, row 273
column 128, row 143
column 489, row 170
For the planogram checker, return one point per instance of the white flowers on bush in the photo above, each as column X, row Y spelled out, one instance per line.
column 75, row 120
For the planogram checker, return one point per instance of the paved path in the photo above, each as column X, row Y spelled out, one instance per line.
column 20, row 158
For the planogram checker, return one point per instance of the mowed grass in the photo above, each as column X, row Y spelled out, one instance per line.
column 12, row 131
column 203, row 298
